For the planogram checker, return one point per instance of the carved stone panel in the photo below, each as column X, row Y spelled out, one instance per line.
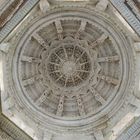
column 71, row 68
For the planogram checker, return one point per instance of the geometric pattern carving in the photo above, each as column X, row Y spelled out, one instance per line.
column 17, row 18
column 68, row 64
column 126, row 8
column 68, row 68
column 133, row 132
column 9, row 131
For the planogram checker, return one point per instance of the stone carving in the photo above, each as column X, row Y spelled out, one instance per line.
column 69, row 68
column 9, row 131
column 80, row 105
column 43, row 97
column 97, row 96
column 60, row 105
column 126, row 12
column 40, row 40
column 134, row 8
column 108, row 79
column 68, row 65
column 99, row 41
column 99, row 135
column 31, row 80
column 59, row 29
column 132, row 132
column 16, row 19
column 30, row 59
column 108, row 59
column 44, row 5
column 137, row 47
column 4, row 47
column 102, row 5
column 81, row 28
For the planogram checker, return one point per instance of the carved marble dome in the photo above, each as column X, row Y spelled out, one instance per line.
column 71, row 69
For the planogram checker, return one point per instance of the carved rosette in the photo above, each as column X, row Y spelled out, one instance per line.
column 72, row 68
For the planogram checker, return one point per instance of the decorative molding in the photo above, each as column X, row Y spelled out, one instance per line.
column 134, row 7
column 17, row 18
column 12, row 130
column 10, row 11
column 137, row 47
column 4, row 5
column 128, row 15
column 131, row 133
column 4, row 135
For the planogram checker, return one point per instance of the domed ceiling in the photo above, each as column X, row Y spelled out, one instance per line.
column 70, row 70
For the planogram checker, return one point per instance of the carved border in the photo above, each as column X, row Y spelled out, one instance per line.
column 17, row 18
column 132, row 132
column 12, row 130
column 127, row 14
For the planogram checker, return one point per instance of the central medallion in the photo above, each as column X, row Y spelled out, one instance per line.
column 68, row 65
column 69, row 68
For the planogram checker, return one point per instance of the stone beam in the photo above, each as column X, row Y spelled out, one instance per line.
column 137, row 46
column 59, row 29
column 127, row 14
column 109, row 80
column 30, row 59
column 97, row 96
column 40, row 40
column 99, row 41
column 81, row 28
column 31, row 80
column 135, row 101
column 17, row 18
column 108, row 59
